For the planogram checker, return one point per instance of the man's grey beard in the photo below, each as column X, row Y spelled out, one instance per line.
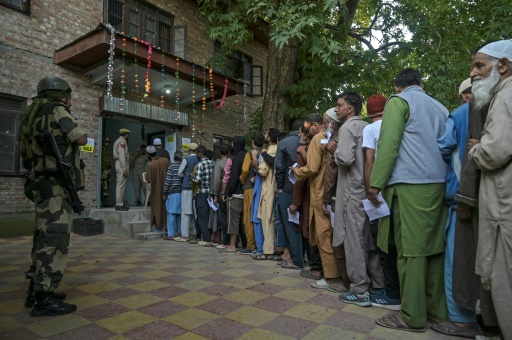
column 482, row 89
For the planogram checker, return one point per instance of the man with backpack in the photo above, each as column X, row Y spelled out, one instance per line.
column 49, row 127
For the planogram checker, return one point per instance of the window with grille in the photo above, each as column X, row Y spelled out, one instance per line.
column 20, row 5
column 146, row 22
column 239, row 66
column 11, row 108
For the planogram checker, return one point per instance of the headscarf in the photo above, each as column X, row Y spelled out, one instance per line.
column 238, row 144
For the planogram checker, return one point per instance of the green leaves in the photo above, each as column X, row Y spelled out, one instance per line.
column 362, row 44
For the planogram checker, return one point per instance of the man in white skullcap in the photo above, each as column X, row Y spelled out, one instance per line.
column 492, row 84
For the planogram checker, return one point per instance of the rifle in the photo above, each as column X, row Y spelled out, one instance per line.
column 64, row 172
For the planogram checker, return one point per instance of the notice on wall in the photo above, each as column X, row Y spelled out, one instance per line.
column 185, row 142
column 89, row 147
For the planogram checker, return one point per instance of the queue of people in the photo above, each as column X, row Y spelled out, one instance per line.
column 444, row 251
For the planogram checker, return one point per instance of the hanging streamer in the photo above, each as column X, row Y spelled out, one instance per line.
column 111, row 55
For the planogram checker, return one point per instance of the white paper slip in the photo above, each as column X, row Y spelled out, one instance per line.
column 212, row 205
column 291, row 174
column 373, row 212
column 293, row 217
column 331, row 213
column 324, row 141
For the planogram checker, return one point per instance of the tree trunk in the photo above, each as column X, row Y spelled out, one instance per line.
column 281, row 65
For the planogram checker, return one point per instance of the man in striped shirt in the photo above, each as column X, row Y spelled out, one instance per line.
column 202, row 178
column 172, row 193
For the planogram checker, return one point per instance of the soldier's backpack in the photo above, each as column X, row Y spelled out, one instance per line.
column 25, row 133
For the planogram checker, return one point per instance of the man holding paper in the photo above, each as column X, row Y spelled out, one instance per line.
column 352, row 228
column 411, row 172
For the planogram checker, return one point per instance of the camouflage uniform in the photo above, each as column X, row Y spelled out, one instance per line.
column 106, row 165
column 53, row 211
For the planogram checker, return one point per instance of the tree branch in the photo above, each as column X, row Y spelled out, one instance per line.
column 360, row 38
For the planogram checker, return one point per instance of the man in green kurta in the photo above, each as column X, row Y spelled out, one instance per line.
column 411, row 173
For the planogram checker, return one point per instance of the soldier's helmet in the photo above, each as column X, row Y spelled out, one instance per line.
column 53, row 84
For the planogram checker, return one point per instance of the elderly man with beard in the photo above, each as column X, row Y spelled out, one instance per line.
column 492, row 84
column 411, row 173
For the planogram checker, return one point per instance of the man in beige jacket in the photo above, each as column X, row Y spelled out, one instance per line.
column 491, row 74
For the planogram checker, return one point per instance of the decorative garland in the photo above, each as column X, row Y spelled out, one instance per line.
column 147, row 83
column 204, row 90
column 123, row 86
column 212, row 91
column 193, row 99
column 136, row 67
column 163, row 74
column 245, row 104
column 111, row 52
column 177, row 88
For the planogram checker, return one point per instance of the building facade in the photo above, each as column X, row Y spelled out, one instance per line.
column 140, row 65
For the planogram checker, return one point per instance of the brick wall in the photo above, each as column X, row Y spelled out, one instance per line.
column 27, row 45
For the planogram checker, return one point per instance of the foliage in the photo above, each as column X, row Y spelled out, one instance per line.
column 361, row 45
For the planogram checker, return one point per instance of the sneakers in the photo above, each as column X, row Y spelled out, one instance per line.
column 245, row 251
column 122, row 208
column 181, row 239
column 202, row 243
column 362, row 300
column 48, row 304
column 377, row 292
column 320, row 284
column 384, row 302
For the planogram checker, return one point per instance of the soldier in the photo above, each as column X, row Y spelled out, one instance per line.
column 122, row 158
column 140, row 162
column 53, row 210
column 106, row 165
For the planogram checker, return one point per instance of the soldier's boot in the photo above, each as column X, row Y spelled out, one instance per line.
column 31, row 298
column 48, row 304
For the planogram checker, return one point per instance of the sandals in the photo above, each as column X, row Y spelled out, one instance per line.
column 337, row 287
column 392, row 321
column 449, row 328
column 289, row 265
column 308, row 273
column 227, row 251
column 267, row 257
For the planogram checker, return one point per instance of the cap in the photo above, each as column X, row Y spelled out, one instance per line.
column 332, row 114
column 192, row 146
column 466, row 84
column 122, row 131
column 375, row 104
column 151, row 149
column 157, row 141
column 106, row 140
column 498, row 49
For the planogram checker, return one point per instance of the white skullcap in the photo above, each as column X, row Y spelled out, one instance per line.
column 151, row 149
column 464, row 85
column 331, row 114
column 157, row 141
column 498, row 49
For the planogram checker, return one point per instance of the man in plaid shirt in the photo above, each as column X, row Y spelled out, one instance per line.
column 202, row 177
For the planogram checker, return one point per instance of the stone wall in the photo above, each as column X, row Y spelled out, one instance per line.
column 27, row 45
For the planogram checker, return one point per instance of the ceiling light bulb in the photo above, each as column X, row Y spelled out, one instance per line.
column 167, row 91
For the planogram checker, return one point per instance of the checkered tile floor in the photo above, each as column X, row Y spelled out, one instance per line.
column 127, row 289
